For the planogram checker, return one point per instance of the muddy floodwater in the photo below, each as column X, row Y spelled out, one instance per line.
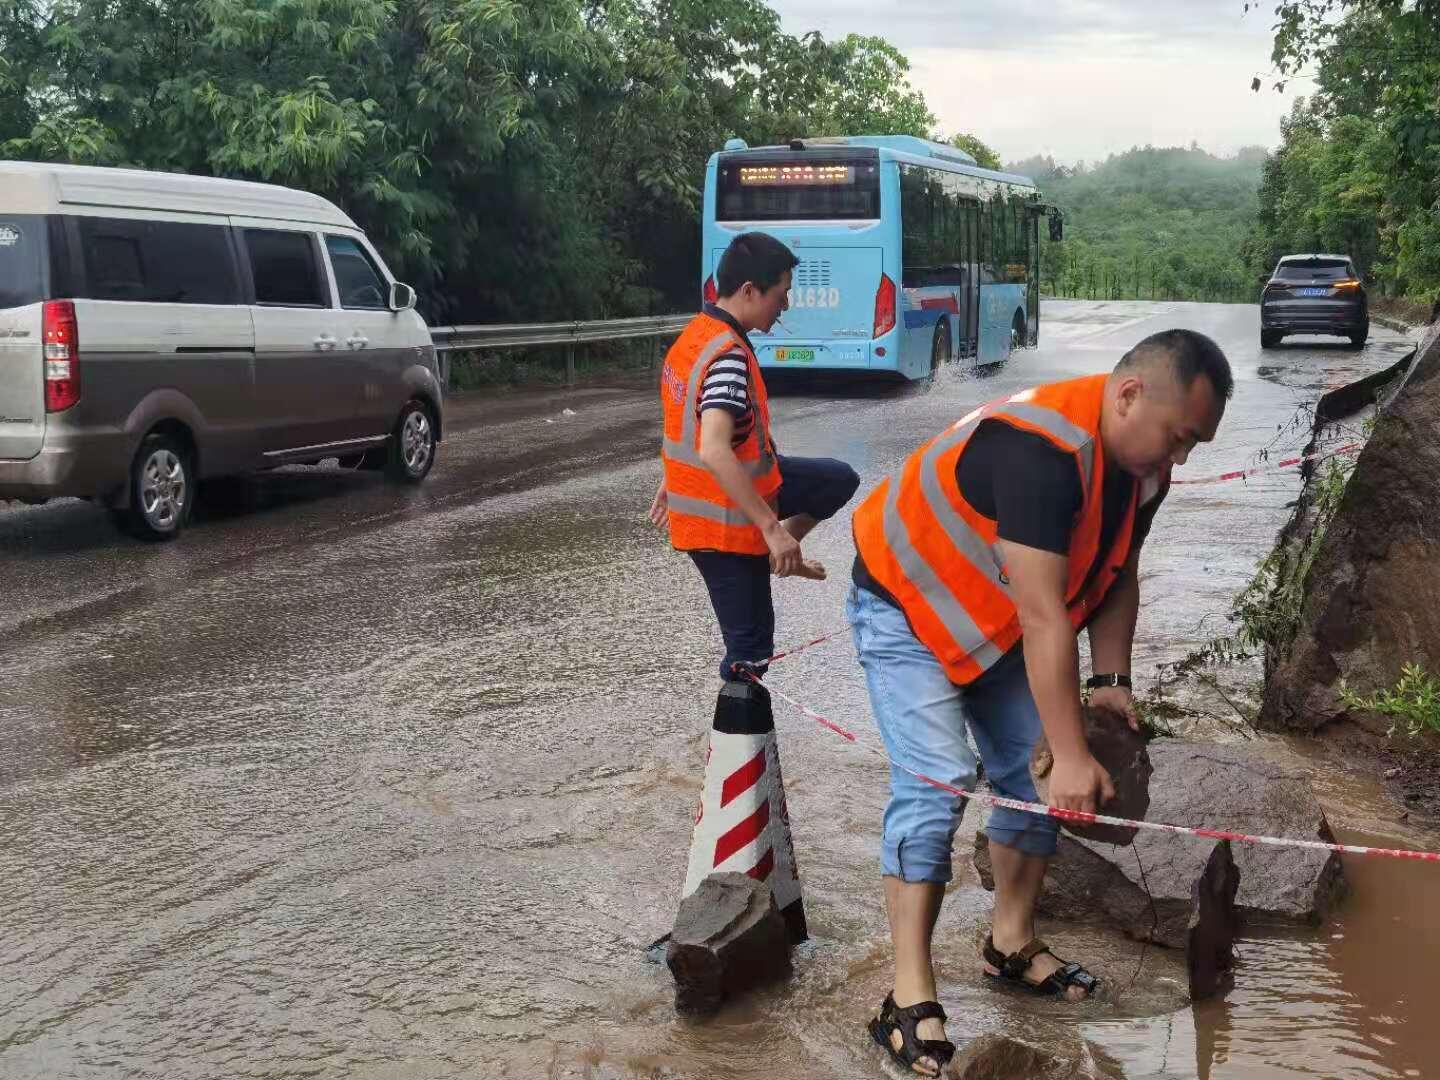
column 365, row 783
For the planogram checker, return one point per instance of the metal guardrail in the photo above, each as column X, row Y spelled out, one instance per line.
column 518, row 335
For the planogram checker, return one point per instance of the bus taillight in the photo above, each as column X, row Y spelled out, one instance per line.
column 884, row 307
column 710, row 294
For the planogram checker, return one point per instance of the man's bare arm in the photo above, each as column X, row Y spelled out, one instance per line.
column 1052, row 662
column 1112, row 630
column 717, row 429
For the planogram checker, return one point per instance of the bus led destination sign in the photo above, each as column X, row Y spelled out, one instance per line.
column 795, row 175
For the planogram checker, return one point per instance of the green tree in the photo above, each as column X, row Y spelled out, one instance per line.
column 515, row 159
column 858, row 85
column 971, row 144
column 1362, row 171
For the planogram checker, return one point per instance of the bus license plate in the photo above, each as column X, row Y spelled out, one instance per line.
column 799, row 356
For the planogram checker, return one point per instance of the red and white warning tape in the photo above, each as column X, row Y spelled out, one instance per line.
column 802, row 647
column 1348, row 448
column 1083, row 818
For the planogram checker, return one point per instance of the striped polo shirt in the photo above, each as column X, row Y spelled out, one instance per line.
column 727, row 383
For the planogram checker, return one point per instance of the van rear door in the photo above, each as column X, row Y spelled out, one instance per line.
column 24, row 286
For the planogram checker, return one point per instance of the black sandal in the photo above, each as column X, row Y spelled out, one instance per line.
column 893, row 1018
column 1012, row 969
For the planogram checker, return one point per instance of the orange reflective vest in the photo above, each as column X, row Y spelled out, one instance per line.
column 941, row 560
column 702, row 516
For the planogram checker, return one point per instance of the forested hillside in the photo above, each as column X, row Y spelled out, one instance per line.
column 1165, row 222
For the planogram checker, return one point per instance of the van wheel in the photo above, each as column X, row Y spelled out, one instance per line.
column 412, row 445
column 1270, row 338
column 941, row 351
column 162, row 489
column 1357, row 339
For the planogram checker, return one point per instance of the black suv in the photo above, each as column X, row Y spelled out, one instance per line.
column 1314, row 294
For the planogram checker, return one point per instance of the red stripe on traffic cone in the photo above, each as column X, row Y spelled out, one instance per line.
column 742, row 824
column 742, row 779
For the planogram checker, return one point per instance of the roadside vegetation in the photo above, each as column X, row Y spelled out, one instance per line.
column 1358, row 168
column 1413, row 703
column 515, row 161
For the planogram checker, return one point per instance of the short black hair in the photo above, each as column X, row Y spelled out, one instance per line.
column 1191, row 355
column 754, row 257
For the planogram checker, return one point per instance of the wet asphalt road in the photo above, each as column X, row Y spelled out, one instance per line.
column 355, row 781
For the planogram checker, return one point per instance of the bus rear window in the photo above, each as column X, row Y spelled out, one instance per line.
column 23, row 276
column 798, row 188
column 1312, row 269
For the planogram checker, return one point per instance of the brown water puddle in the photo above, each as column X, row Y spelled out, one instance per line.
column 1352, row 999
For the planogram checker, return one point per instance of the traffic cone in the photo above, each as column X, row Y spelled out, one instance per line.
column 742, row 823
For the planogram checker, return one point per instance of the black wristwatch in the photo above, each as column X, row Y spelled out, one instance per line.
column 1095, row 682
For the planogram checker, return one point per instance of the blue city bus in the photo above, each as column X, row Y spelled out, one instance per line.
column 910, row 254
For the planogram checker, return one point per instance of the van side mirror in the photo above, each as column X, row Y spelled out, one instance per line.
column 402, row 296
column 1262, row 279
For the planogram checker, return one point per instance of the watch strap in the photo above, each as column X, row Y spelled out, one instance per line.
column 1095, row 682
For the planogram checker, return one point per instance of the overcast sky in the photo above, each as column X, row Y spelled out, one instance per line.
column 1078, row 79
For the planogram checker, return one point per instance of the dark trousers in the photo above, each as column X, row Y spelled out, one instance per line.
column 739, row 585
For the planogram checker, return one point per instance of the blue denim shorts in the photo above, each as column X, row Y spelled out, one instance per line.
column 923, row 718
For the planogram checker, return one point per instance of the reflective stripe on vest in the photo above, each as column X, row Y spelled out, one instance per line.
column 723, row 515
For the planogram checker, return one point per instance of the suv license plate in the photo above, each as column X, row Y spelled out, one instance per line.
column 1312, row 292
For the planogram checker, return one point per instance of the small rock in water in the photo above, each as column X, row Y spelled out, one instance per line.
column 567, row 412
column 1391, row 774
column 999, row 1057
column 729, row 937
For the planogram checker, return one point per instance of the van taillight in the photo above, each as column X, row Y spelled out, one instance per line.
column 884, row 307
column 709, row 291
column 62, row 355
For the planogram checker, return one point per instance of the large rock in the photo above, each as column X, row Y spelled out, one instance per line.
column 1123, row 754
column 1148, row 891
column 1372, row 596
column 728, row 938
column 1001, row 1057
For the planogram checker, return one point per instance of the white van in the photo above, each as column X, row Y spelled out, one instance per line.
column 157, row 329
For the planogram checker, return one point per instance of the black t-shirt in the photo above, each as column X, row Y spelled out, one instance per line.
column 1031, row 489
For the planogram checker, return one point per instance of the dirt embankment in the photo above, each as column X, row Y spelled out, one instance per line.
column 1368, row 629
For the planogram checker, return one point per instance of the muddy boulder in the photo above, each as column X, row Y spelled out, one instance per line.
column 1124, row 756
column 729, row 937
column 1148, row 889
